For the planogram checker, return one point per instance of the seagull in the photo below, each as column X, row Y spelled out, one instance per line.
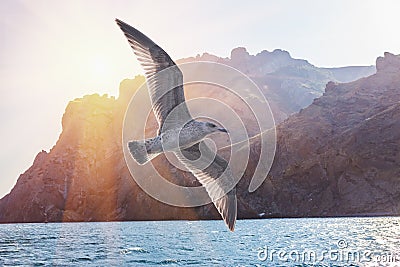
column 178, row 132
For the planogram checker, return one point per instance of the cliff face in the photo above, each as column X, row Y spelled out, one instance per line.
column 339, row 156
column 84, row 176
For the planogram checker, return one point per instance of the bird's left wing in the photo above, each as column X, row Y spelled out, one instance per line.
column 208, row 168
column 164, row 79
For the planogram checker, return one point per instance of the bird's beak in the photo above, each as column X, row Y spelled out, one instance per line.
column 223, row 130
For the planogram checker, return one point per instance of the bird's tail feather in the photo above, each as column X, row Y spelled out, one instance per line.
column 140, row 152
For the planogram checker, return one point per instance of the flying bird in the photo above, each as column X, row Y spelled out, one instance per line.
column 178, row 131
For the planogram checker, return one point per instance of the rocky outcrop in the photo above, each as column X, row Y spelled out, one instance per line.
column 84, row 176
column 289, row 84
column 339, row 156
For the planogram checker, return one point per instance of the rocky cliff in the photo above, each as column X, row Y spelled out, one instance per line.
column 339, row 156
column 84, row 176
column 289, row 84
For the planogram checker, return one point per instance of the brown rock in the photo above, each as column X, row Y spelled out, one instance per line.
column 339, row 156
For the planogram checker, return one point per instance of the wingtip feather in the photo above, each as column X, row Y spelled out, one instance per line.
column 119, row 22
column 227, row 207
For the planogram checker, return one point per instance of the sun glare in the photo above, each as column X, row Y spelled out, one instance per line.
column 99, row 73
column 100, row 67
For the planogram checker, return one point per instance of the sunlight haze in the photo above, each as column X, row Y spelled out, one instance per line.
column 52, row 52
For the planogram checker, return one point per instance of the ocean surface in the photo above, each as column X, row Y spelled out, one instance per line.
column 272, row 242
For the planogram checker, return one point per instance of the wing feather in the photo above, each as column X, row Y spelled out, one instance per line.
column 225, row 202
column 164, row 78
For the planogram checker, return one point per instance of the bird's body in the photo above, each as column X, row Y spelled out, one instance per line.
column 172, row 140
column 178, row 131
column 180, row 138
column 191, row 133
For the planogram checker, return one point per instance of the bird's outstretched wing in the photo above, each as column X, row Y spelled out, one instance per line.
column 164, row 78
column 196, row 158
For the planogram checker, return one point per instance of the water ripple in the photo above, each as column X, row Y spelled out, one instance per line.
column 202, row 243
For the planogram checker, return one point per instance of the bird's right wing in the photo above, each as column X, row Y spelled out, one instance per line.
column 197, row 158
column 164, row 78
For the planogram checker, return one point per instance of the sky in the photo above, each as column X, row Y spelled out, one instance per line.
column 52, row 52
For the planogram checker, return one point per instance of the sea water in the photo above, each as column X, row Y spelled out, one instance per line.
column 268, row 242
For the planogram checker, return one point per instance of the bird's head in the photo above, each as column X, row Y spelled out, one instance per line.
column 210, row 127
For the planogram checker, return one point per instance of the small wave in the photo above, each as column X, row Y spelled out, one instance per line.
column 39, row 263
column 163, row 262
column 169, row 261
column 7, row 251
column 138, row 249
column 186, row 249
column 134, row 250
column 48, row 237
column 141, row 261
column 84, row 258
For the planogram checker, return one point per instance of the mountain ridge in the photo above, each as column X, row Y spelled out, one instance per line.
column 289, row 84
column 84, row 176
